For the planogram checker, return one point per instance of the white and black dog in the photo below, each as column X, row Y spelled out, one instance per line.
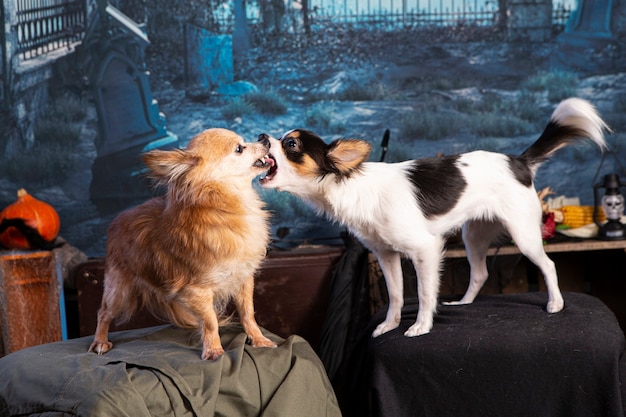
column 409, row 208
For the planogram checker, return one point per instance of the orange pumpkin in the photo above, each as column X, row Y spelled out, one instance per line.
column 37, row 214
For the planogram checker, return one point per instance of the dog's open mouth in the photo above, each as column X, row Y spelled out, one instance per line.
column 266, row 162
column 273, row 167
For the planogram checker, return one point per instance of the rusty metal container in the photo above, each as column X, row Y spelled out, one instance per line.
column 29, row 300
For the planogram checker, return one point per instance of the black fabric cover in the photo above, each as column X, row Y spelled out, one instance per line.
column 348, row 308
column 503, row 355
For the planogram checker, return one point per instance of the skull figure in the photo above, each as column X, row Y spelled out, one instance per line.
column 613, row 205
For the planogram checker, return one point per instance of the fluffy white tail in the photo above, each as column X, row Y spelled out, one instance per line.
column 573, row 120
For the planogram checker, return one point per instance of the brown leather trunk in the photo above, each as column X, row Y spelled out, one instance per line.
column 291, row 293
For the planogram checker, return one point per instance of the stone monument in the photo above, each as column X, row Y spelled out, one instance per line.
column 129, row 119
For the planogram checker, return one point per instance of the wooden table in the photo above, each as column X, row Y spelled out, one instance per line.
column 559, row 246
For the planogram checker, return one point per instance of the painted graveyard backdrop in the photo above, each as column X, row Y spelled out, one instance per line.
column 443, row 76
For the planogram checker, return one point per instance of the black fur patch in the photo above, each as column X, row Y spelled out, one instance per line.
column 438, row 183
column 553, row 136
column 520, row 171
column 299, row 142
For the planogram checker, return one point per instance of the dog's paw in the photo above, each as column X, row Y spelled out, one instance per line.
column 555, row 306
column 455, row 303
column 100, row 347
column 418, row 329
column 384, row 327
column 213, row 353
column 263, row 342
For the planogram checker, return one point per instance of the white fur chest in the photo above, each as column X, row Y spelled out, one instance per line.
column 377, row 204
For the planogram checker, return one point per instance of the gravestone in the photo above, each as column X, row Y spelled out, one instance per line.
column 589, row 24
column 208, row 60
column 589, row 28
column 129, row 119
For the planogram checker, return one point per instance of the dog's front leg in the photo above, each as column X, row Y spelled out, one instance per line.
column 200, row 302
column 245, row 308
column 116, row 297
column 427, row 264
column 392, row 270
column 101, row 344
column 211, row 343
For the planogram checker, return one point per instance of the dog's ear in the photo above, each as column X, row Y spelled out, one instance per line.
column 167, row 166
column 348, row 154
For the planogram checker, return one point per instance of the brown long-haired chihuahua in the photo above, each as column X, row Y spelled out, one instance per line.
column 186, row 254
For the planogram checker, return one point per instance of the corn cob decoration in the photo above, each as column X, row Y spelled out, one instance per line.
column 577, row 216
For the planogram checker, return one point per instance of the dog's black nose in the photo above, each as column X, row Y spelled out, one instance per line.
column 264, row 138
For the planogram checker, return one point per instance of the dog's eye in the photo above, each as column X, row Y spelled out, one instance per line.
column 291, row 145
column 239, row 149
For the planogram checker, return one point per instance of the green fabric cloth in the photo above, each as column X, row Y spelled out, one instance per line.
column 158, row 372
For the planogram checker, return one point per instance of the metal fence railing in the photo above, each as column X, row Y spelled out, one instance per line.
column 385, row 14
column 46, row 25
column 560, row 16
column 401, row 14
